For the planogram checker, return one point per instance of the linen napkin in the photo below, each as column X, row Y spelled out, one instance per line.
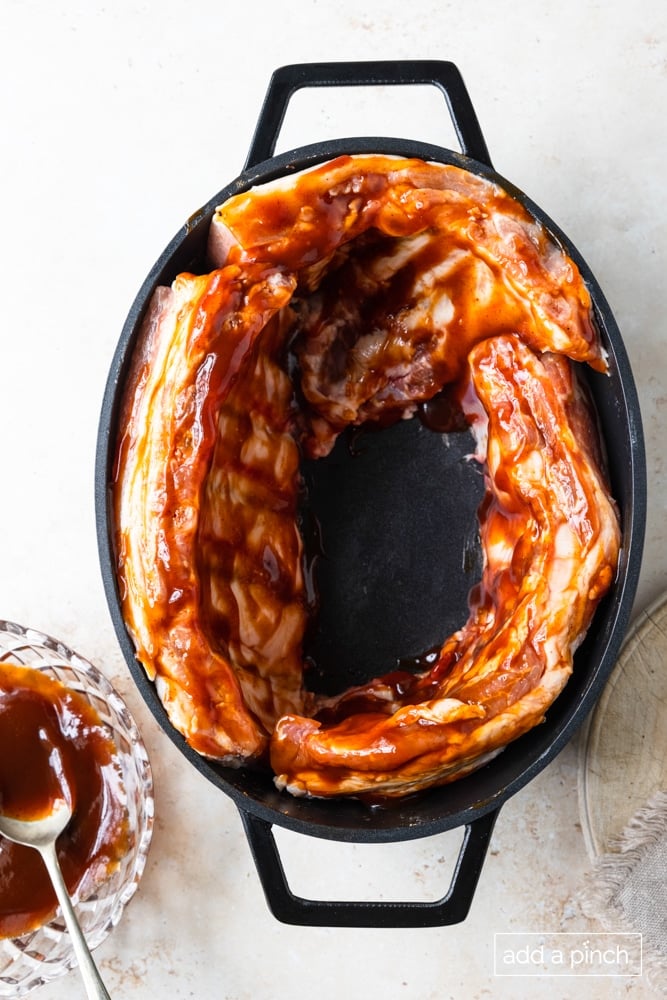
column 627, row 886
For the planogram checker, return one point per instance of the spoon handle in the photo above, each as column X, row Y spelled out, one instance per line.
column 95, row 988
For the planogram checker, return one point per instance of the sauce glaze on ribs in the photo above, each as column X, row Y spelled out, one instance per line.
column 349, row 293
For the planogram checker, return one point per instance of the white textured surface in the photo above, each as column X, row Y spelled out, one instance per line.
column 117, row 121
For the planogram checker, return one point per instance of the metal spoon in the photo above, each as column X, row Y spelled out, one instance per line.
column 42, row 835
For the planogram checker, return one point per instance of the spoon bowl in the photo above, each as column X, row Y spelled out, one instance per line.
column 42, row 834
column 37, row 833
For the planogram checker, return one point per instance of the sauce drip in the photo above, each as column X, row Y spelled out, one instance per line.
column 53, row 745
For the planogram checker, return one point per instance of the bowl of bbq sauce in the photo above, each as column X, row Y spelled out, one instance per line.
column 64, row 730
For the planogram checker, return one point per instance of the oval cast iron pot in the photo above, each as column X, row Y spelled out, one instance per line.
column 472, row 802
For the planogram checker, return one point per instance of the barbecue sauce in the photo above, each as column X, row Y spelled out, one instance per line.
column 52, row 746
column 399, row 270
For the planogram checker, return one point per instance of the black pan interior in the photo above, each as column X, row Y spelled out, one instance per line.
column 390, row 525
column 392, row 542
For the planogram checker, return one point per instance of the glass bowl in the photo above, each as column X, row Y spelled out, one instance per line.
column 44, row 954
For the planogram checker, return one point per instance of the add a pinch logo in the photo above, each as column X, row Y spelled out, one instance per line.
column 565, row 953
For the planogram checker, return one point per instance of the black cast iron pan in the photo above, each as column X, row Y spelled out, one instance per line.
column 398, row 514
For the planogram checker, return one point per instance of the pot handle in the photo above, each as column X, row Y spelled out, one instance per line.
column 443, row 75
column 291, row 909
